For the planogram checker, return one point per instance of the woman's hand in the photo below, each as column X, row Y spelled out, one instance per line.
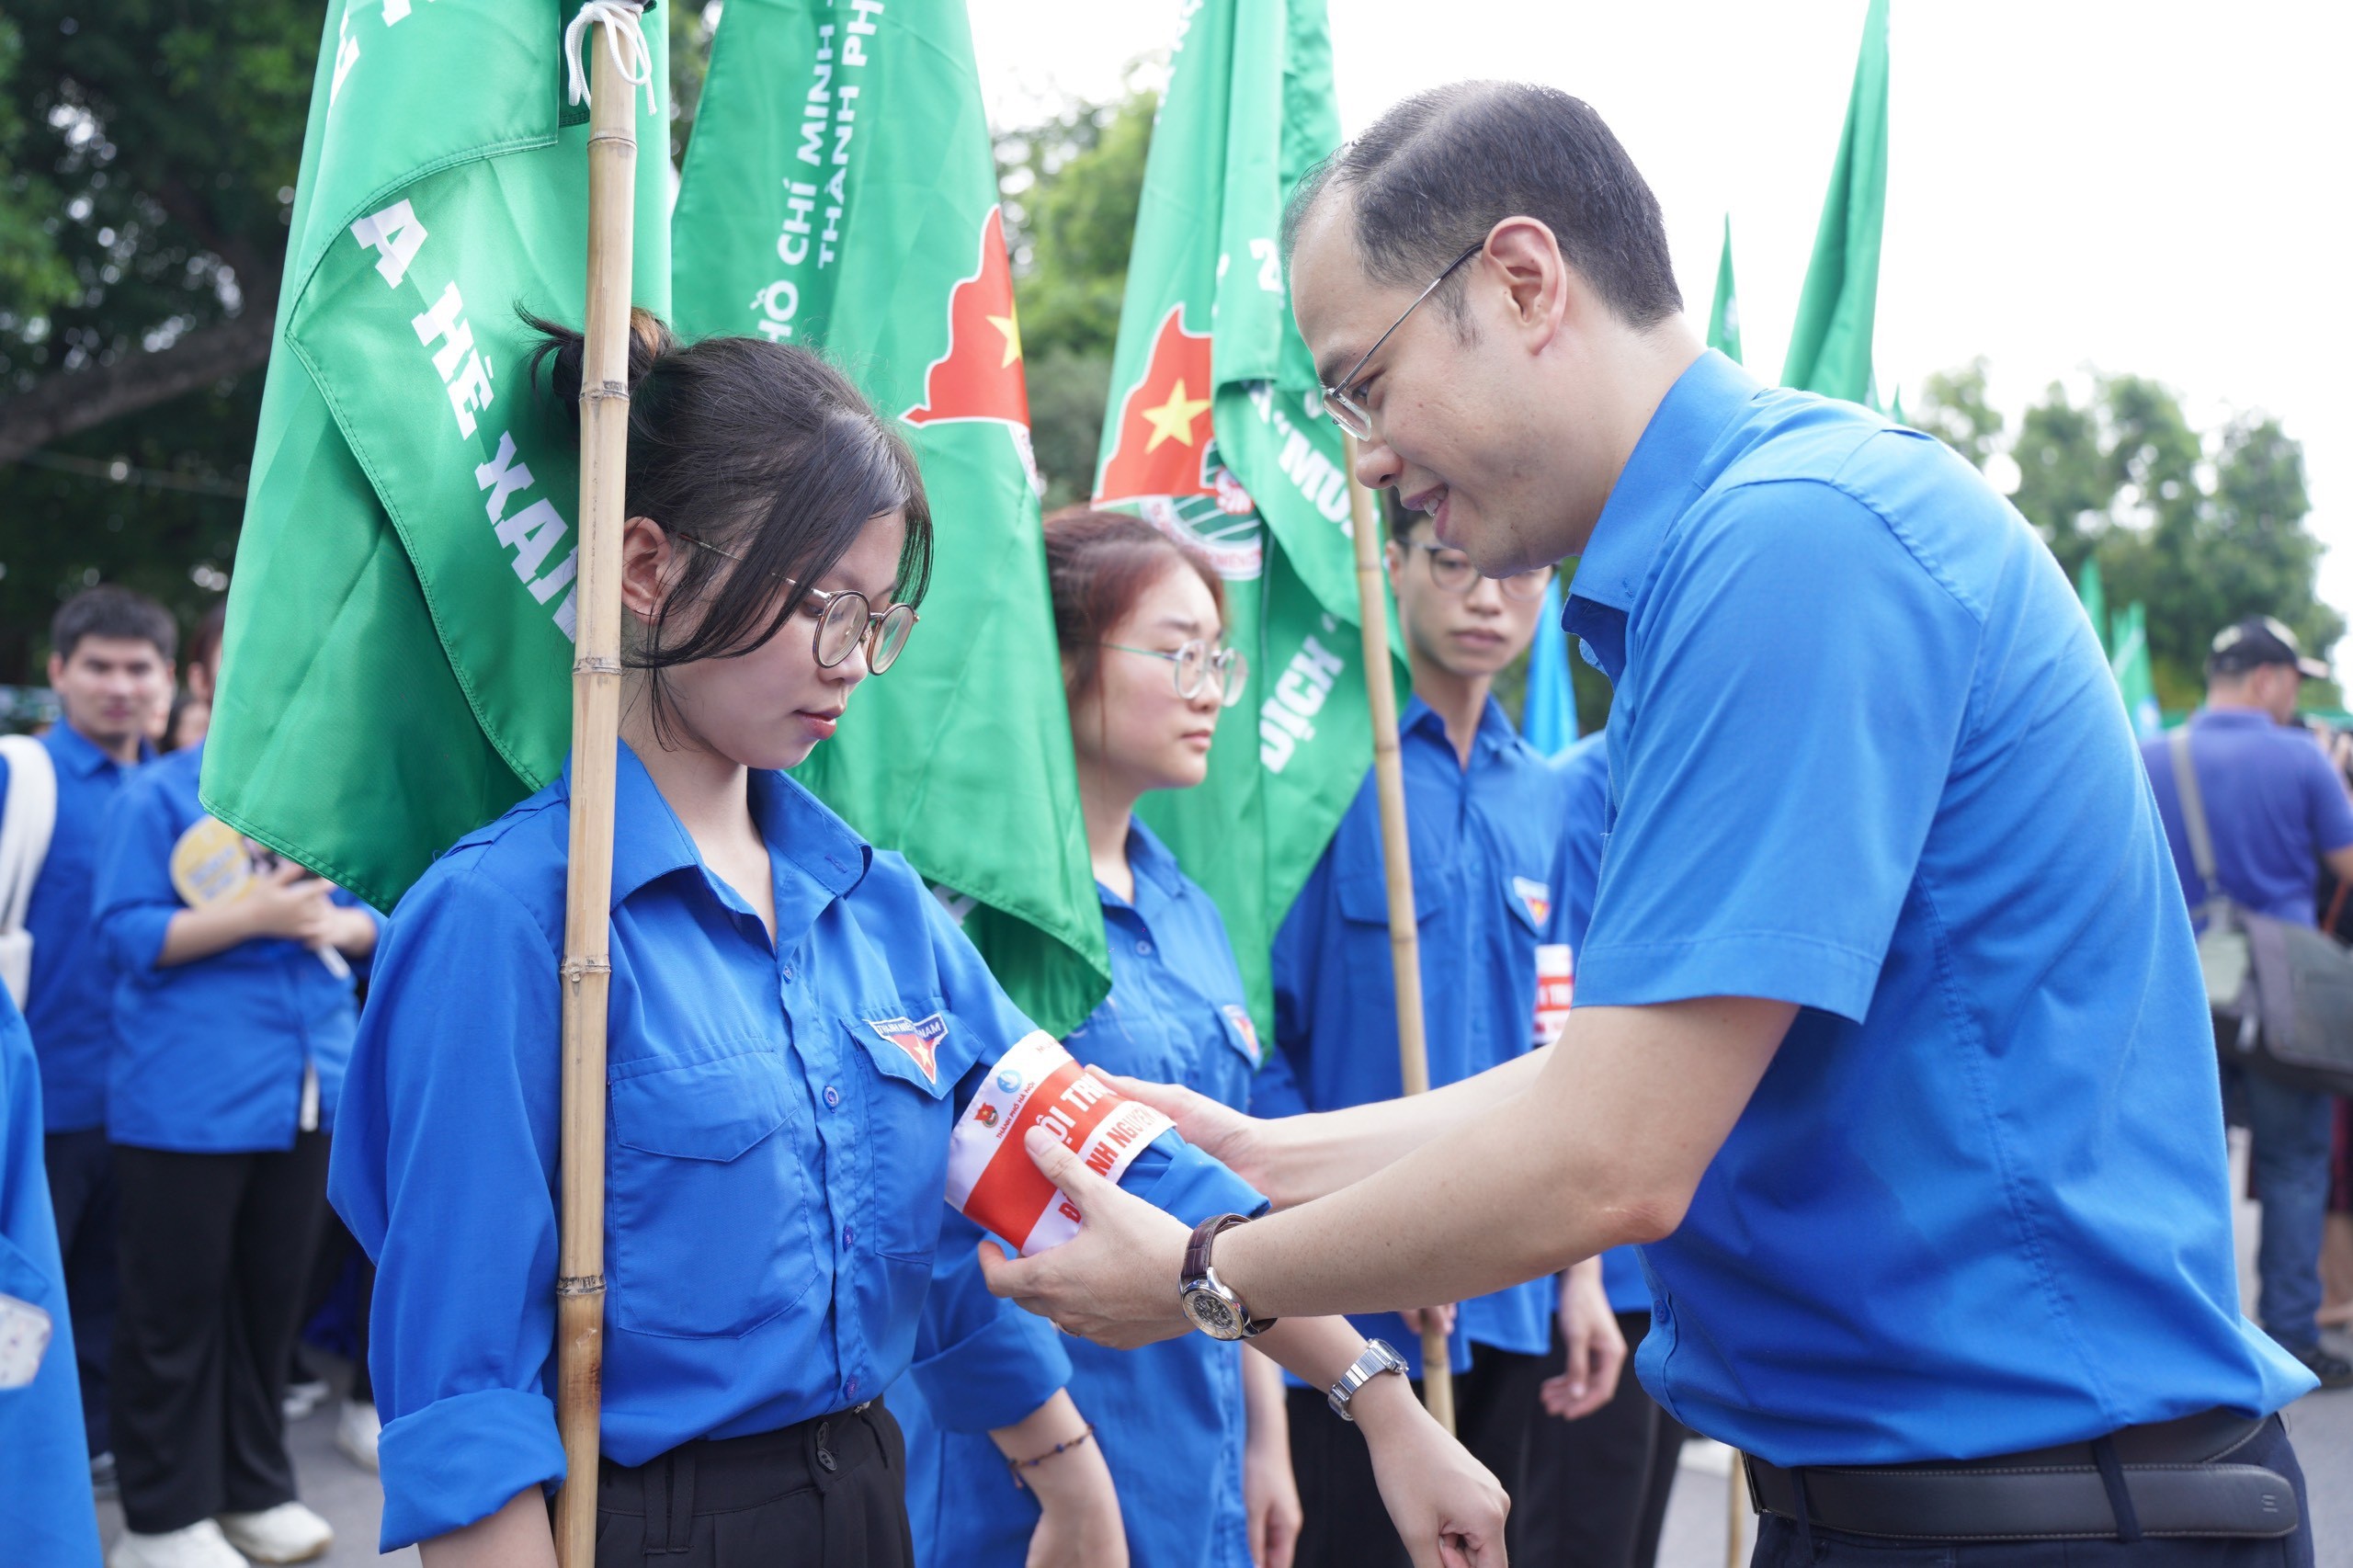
column 1596, row 1346
column 1447, row 1509
column 1269, row 1491
column 1421, row 1319
column 1236, row 1141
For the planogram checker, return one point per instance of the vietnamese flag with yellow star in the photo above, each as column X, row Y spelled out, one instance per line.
column 1216, row 432
column 840, row 193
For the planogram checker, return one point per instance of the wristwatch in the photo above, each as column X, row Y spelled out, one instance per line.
column 1211, row 1305
column 1378, row 1357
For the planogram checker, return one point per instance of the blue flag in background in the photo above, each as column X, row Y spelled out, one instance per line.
column 1548, row 716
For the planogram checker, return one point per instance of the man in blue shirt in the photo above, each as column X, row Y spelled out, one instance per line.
column 1889, row 1043
column 110, row 665
column 1482, row 812
column 2276, row 810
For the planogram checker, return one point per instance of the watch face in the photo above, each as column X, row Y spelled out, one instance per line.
column 1212, row 1314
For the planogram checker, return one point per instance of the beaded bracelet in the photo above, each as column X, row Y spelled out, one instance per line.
column 1017, row 1466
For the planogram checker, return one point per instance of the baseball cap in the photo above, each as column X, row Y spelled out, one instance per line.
column 2258, row 640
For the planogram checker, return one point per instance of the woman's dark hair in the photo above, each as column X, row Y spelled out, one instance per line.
column 760, row 449
column 204, row 642
column 1098, row 565
column 1441, row 168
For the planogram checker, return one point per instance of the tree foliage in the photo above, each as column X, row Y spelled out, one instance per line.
column 2203, row 528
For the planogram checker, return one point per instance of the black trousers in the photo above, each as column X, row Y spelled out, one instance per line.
column 81, row 1190
column 338, row 1250
column 1597, row 1487
column 827, row 1492
column 1781, row 1544
column 215, row 1253
column 1346, row 1525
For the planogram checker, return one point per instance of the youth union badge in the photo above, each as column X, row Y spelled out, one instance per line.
column 919, row 1038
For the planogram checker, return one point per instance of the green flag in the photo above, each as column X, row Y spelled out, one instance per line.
column 398, row 636
column 1724, row 322
column 1216, row 432
column 840, row 192
column 2133, row 680
column 1830, row 348
column 2094, row 592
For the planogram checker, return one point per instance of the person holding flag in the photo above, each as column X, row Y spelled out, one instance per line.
column 1889, row 1041
column 795, row 1026
column 1482, row 810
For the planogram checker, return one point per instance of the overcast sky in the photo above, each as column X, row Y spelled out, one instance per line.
column 2158, row 187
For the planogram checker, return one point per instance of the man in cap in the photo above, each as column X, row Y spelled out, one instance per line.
column 2276, row 810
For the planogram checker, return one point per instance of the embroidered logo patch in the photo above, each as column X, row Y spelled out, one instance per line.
column 919, row 1038
column 1535, row 895
column 1239, row 1017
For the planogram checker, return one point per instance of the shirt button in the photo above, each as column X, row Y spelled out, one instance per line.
column 1142, row 946
column 788, row 974
column 850, row 1387
column 833, row 1097
column 850, row 1239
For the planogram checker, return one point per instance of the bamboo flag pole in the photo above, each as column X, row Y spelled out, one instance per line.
column 595, row 742
column 1405, row 935
column 1736, row 1510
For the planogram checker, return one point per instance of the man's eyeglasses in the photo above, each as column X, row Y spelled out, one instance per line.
column 844, row 618
column 1197, row 663
column 1340, row 400
column 1452, row 570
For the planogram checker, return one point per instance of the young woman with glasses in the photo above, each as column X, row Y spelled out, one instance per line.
column 1193, row 1430
column 795, row 1025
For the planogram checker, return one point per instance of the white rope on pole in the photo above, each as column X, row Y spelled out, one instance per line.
column 624, row 35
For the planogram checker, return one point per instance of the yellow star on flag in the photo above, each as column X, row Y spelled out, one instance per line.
column 1172, row 420
column 1012, row 330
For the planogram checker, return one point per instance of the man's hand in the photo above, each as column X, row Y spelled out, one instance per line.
column 1447, row 1509
column 1421, row 1319
column 1114, row 1282
column 1596, row 1346
column 1236, row 1141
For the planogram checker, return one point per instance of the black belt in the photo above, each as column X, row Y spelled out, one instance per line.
column 2171, row 1479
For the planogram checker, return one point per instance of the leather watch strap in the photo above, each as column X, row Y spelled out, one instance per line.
column 1196, row 1251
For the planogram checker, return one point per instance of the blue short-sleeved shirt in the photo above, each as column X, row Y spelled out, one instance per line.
column 1866, row 756
column 1584, row 771
column 69, row 1005
column 210, row 1056
column 776, row 1157
column 2274, row 806
column 1484, row 841
column 1168, row 1417
column 47, row 1514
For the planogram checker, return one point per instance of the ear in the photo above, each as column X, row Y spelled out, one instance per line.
column 1392, row 555
column 648, row 566
column 1524, row 255
column 56, row 672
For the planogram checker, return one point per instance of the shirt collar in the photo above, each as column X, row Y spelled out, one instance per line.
column 2247, row 717
column 1658, row 482
column 800, row 830
column 1149, row 860
column 79, row 753
column 1495, row 726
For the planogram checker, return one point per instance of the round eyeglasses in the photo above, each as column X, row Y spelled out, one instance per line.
column 1197, row 663
column 1452, row 570
column 844, row 618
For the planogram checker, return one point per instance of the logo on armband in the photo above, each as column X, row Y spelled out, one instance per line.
column 919, row 1038
column 991, row 1179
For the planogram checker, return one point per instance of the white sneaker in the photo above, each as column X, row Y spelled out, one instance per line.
column 304, row 1397
column 200, row 1545
column 288, row 1533
column 356, row 1431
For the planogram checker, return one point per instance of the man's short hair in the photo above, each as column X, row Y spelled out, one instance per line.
column 1436, row 172
column 108, row 610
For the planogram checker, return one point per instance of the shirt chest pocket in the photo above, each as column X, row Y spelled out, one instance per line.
column 709, row 1230
column 918, row 1053
column 1363, row 895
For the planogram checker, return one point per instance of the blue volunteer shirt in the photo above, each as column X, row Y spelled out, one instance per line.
column 776, row 1155
column 2274, row 806
column 47, row 1514
column 211, row 1055
column 1584, row 771
column 1866, row 756
column 1483, row 840
column 1168, row 1417
column 69, row 1006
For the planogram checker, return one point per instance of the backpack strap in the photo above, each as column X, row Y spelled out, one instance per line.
column 25, row 826
column 2193, row 814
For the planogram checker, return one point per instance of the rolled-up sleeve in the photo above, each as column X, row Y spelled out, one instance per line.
column 1781, row 773
column 132, row 900
column 444, row 1166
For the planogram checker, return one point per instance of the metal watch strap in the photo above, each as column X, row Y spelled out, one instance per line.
column 1378, row 1357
